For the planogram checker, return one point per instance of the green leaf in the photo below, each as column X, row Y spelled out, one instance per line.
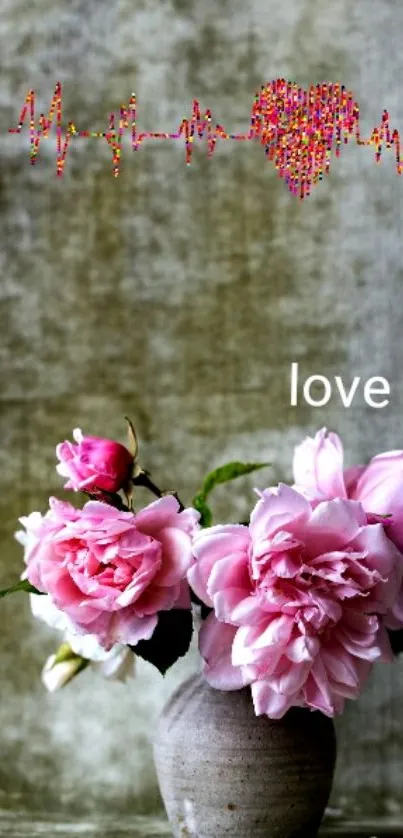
column 220, row 475
column 169, row 641
column 22, row 585
column 65, row 653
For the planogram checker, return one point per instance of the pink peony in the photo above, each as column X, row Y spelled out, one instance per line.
column 319, row 475
column 111, row 572
column 298, row 599
column 94, row 463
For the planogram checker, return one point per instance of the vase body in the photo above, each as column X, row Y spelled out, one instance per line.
column 223, row 771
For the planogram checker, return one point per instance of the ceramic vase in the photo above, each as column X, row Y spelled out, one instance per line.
column 223, row 771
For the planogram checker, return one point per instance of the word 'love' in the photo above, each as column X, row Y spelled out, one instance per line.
column 373, row 387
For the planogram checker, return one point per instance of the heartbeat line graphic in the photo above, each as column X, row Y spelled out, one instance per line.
column 296, row 127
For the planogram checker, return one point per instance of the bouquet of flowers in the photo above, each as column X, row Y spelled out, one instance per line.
column 296, row 603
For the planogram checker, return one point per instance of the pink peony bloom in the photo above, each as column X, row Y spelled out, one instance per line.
column 298, row 599
column 111, row 572
column 319, row 474
column 93, row 464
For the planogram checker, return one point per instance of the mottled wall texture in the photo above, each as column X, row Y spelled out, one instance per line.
column 180, row 295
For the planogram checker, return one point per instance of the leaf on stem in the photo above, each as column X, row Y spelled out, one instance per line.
column 220, row 475
column 170, row 640
column 133, row 445
column 22, row 585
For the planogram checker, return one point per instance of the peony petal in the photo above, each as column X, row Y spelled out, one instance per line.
column 157, row 515
column 210, row 546
column 215, row 638
column 333, row 525
column 96, row 509
column 223, row 676
column 268, row 702
column 224, row 603
column 318, row 465
column 340, row 665
column 366, row 624
column 188, row 521
column 245, row 652
column 220, row 541
column 382, row 555
column 215, row 641
column 317, row 692
column 351, row 476
column 196, row 576
column 303, row 648
column 370, row 650
column 128, row 629
column 230, row 572
column 248, row 612
column 283, row 508
column 291, row 678
column 151, row 600
column 176, row 556
column 380, row 480
column 278, row 631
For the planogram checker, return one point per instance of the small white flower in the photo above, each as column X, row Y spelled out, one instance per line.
column 56, row 675
column 117, row 664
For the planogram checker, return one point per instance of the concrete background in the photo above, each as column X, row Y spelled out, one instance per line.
column 180, row 296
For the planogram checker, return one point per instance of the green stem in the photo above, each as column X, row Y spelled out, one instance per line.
column 143, row 479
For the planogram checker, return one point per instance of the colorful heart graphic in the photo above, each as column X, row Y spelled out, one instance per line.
column 298, row 127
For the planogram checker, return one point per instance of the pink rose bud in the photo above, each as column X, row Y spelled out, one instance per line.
column 94, row 463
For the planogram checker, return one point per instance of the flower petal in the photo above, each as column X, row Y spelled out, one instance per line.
column 268, row 702
column 318, row 465
column 215, row 641
column 283, row 508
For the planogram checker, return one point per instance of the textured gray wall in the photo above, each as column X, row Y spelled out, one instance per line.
column 180, row 295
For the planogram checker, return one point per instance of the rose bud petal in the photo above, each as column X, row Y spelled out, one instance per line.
column 94, row 464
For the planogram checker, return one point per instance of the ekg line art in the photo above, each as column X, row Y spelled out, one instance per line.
column 297, row 128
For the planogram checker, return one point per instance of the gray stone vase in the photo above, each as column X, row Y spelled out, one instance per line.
column 223, row 771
